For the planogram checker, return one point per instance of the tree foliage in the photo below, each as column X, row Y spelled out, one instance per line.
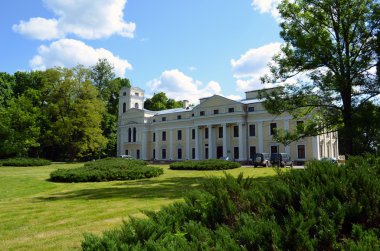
column 103, row 77
column 159, row 102
column 333, row 45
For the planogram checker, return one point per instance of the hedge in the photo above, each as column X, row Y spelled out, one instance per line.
column 209, row 164
column 25, row 162
column 323, row 207
column 107, row 170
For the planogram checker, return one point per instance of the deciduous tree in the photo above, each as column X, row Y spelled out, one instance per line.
column 333, row 44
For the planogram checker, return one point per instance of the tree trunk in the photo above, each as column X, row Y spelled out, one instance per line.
column 348, row 126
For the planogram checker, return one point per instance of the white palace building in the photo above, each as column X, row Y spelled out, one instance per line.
column 216, row 127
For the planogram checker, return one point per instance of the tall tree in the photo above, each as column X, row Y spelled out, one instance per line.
column 75, row 116
column 159, row 102
column 108, row 87
column 333, row 44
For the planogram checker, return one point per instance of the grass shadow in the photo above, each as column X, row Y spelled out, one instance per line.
column 171, row 188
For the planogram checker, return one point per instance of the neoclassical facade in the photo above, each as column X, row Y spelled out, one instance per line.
column 216, row 127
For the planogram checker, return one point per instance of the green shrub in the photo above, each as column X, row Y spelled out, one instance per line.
column 107, row 170
column 323, row 207
column 210, row 164
column 25, row 162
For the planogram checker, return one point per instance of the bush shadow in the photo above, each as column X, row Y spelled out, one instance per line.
column 171, row 188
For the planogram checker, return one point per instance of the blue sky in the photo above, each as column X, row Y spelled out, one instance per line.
column 188, row 49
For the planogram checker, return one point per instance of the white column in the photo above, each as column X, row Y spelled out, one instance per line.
column 171, row 140
column 196, row 143
column 225, row 140
column 260, row 137
column 143, row 145
column 210, row 142
column 187, row 143
column 286, row 127
column 241, row 142
column 315, row 145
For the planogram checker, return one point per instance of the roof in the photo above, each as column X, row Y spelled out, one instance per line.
column 250, row 101
column 175, row 110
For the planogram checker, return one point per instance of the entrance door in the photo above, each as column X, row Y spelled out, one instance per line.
column 219, row 152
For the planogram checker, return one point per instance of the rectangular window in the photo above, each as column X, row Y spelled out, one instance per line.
column 193, row 134
column 179, row 153
column 216, row 111
column 126, row 152
column 231, row 109
column 236, row 131
column 206, row 133
column 236, row 152
column 137, row 154
column 154, row 153
column 252, row 130
column 301, row 151
column 273, row 127
column 201, row 113
column 163, row 153
column 137, row 94
column 179, row 134
column 154, row 137
column 163, row 136
column 252, row 151
column 274, row 149
column 193, row 153
column 206, row 153
column 192, row 115
column 220, row 132
column 179, row 117
column 163, row 118
column 251, row 109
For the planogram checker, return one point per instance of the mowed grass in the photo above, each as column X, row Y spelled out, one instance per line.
column 36, row 214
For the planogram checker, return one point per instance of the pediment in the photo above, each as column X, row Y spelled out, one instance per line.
column 217, row 101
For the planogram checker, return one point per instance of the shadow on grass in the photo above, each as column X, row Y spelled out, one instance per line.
column 171, row 188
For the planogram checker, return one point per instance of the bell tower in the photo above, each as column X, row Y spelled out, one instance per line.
column 130, row 98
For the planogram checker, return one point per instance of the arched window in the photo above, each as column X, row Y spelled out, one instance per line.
column 134, row 134
column 124, row 107
column 137, row 105
column 129, row 134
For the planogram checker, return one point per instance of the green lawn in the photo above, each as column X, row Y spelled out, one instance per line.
column 39, row 215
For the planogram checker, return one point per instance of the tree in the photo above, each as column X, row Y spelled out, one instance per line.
column 366, row 132
column 159, row 102
column 332, row 44
column 75, row 116
column 19, row 129
column 108, row 87
column 102, row 74
column 6, row 84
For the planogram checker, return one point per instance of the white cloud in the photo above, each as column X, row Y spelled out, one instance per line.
column 70, row 52
column 192, row 68
column 179, row 86
column 88, row 19
column 252, row 65
column 39, row 28
column 267, row 6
